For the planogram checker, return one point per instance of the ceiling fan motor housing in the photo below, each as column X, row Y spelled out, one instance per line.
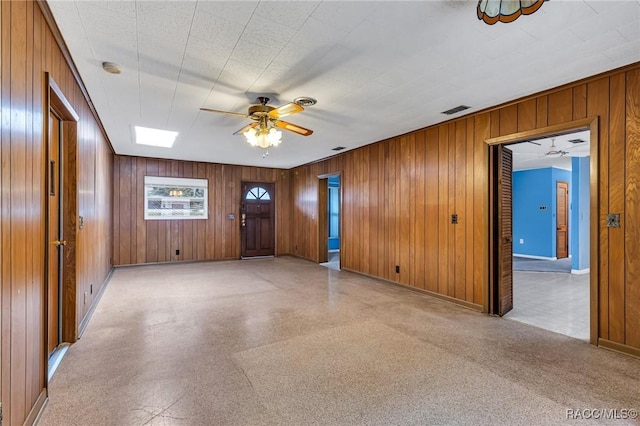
column 257, row 111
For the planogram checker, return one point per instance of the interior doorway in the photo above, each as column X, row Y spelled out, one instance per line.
column 61, row 225
column 329, row 222
column 551, row 226
column 257, row 219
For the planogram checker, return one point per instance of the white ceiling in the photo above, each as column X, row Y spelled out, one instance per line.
column 538, row 153
column 378, row 69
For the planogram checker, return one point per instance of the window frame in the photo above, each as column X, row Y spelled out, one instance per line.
column 176, row 183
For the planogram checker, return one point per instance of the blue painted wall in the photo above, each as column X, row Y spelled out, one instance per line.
column 533, row 225
column 580, row 213
column 334, row 212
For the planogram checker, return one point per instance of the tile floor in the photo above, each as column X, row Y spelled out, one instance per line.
column 554, row 301
column 287, row 342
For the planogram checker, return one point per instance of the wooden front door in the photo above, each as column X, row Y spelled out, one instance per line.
column 501, row 295
column 257, row 219
column 562, row 219
column 54, row 237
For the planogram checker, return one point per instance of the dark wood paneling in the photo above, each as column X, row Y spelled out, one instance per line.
column 28, row 49
column 138, row 241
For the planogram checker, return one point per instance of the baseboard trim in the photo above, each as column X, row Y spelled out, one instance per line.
column 85, row 321
column 38, row 407
column 619, row 347
column 530, row 256
column 462, row 303
column 580, row 271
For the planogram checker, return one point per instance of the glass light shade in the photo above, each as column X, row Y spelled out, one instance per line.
column 263, row 137
column 492, row 11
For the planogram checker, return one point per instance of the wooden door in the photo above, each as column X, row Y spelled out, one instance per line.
column 501, row 294
column 257, row 219
column 54, row 225
column 562, row 219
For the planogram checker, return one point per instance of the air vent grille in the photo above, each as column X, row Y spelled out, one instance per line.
column 576, row 141
column 455, row 110
column 338, row 148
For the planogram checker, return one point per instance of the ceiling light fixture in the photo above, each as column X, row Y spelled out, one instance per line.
column 111, row 68
column 492, row 11
column 263, row 136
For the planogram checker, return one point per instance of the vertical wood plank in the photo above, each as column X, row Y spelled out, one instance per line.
column 470, row 212
column 598, row 105
column 508, row 120
column 617, row 205
column 443, row 211
column 482, row 125
column 419, row 261
column 580, row 102
column 460, row 253
column 560, row 106
column 526, row 114
column 432, row 220
column 632, row 241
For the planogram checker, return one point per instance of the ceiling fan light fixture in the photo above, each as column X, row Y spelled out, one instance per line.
column 263, row 137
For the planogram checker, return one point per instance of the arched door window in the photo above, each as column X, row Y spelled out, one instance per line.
column 257, row 193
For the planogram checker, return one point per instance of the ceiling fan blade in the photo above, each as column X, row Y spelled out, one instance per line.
column 292, row 127
column 284, row 110
column 247, row 127
column 225, row 112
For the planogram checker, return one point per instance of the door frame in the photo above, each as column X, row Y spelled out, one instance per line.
column 590, row 124
column 323, row 216
column 56, row 101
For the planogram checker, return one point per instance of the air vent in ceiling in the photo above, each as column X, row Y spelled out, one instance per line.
column 576, row 141
column 456, row 109
column 305, row 101
column 338, row 148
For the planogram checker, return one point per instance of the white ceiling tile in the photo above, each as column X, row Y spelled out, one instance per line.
column 174, row 26
column 265, row 33
column 216, row 30
column 253, row 54
column 293, row 14
column 211, row 53
column 555, row 16
column 342, row 15
column 314, row 35
column 238, row 12
column 624, row 14
column 624, row 54
column 630, row 31
column 184, row 8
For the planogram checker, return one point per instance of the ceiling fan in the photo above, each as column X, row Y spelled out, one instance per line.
column 553, row 150
column 262, row 132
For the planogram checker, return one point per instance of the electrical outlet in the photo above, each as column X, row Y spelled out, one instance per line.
column 397, row 269
column 90, row 288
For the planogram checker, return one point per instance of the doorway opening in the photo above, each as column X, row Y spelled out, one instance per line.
column 329, row 221
column 542, row 221
column 257, row 220
column 60, row 225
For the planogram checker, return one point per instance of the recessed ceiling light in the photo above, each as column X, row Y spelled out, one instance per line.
column 111, row 67
column 155, row 137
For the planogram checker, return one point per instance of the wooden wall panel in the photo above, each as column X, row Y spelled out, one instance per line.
column 410, row 205
column 598, row 106
column 632, row 224
column 140, row 241
column 29, row 49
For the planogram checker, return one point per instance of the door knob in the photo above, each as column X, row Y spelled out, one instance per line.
column 59, row 243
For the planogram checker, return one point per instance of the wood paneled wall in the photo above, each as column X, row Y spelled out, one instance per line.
column 399, row 195
column 148, row 241
column 28, row 50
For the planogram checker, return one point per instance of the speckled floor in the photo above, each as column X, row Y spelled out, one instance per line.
column 287, row 342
